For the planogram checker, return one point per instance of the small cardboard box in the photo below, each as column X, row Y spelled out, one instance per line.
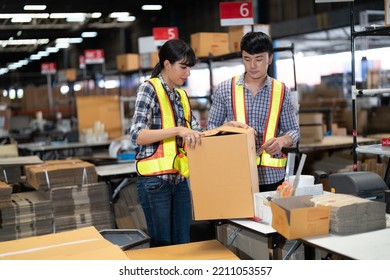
column 295, row 217
column 202, row 250
column 223, row 174
column 67, row 75
column 237, row 32
column 148, row 60
column 206, row 43
column 127, row 62
column 311, row 127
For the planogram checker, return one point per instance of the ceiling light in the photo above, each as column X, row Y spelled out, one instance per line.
column 19, row 42
column 35, row 57
column 62, row 45
column 43, row 53
column 119, row 14
column 5, row 92
column 34, row 7
column 52, row 49
column 89, row 34
column 126, row 19
column 20, row 18
column 151, row 7
column 76, row 17
column 96, row 15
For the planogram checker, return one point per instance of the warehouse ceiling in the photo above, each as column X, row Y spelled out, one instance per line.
column 50, row 24
column 46, row 29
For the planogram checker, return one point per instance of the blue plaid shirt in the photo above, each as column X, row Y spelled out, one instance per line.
column 257, row 107
column 147, row 115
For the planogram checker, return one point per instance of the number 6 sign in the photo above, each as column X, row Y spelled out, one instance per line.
column 236, row 13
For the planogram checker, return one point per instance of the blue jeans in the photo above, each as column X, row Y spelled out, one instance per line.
column 167, row 209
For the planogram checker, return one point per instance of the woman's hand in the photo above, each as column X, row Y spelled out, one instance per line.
column 190, row 137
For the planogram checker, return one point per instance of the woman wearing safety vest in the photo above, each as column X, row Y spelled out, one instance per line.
column 255, row 99
column 163, row 127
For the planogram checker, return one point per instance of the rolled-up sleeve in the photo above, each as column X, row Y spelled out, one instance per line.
column 142, row 118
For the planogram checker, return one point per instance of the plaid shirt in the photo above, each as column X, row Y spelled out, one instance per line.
column 257, row 107
column 147, row 115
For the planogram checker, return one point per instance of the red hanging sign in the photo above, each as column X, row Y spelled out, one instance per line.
column 236, row 13
column 94, row 56
column 48, row 68
column 163, row 34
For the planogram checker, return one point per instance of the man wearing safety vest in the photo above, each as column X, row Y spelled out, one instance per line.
column 163, row 127
column 254, row 99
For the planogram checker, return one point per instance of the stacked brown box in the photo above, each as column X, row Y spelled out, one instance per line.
column 148, row 60
column 127, row 62
column 81, row 206
column 210, row 43
column 5, row 192
column 311, row 127
column 351, row 214
column 25, row 214
column 58, row 173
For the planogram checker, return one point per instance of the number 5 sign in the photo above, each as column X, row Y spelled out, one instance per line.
column 163, row 34
column 236, row 13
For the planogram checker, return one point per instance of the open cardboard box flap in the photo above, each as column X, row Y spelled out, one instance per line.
column 226, row 129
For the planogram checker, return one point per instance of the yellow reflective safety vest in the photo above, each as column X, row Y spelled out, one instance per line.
column 168, row 157
column 240, row 114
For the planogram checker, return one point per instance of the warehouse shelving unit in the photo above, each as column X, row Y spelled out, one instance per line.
column 372, row 149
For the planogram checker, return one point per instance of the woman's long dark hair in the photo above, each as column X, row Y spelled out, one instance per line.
column 174, row 50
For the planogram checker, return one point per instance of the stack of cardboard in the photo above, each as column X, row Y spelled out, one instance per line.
column 351, row 214
column 5, row 192
column 58, row 173
column 25, row 214
column 81, row 206
column 10, row 174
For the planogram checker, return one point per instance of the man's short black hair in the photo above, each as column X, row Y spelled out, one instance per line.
column 257, row 42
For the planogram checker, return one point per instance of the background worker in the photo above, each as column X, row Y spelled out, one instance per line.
column 257, row 100
column 162, row 125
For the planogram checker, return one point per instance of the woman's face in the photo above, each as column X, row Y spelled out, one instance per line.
column 177, row 72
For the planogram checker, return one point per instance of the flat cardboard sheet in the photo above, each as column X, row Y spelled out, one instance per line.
column 202, row 250
column 81, row 244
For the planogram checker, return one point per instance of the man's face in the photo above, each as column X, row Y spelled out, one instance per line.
column 256, row 65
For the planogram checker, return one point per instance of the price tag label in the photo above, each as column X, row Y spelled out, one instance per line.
column 236, row 13
column 163, row 34
column 94, row 56
column 48, row 68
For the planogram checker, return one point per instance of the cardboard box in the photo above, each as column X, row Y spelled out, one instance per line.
column 206, row 43
column 127, row 62
column 223, row 174
column 67, row 75
column 148, row 60
column 236, row 33
column 294, row 217
column 60, row 173
column 81, row 244
column 311, row 127
column 202, row 250
column 9, row 150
